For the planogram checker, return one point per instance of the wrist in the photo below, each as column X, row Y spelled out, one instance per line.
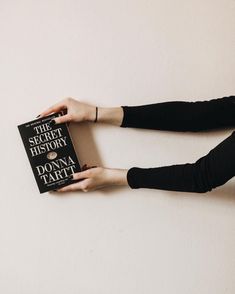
column 110, row 115
column 118, row 177
column 91, row 114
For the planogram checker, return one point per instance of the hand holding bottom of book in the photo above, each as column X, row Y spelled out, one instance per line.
column 95, row 177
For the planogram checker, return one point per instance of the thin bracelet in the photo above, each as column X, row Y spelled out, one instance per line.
column 96, row 114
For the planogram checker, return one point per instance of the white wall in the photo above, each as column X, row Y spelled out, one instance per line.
column 114, row 53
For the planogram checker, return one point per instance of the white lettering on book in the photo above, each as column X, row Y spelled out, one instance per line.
column 55, row 170
column 46, row 139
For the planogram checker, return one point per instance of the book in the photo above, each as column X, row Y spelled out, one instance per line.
column 50, row 151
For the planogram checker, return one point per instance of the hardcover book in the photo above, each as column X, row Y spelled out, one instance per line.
column 50, row 152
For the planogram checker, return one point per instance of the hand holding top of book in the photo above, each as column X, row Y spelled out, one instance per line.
column 78, row 111
column 75, row 111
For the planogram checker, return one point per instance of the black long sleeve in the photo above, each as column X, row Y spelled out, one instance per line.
column 181, row 115
column 212, row 170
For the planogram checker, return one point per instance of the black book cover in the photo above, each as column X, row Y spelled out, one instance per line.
column 50, row 152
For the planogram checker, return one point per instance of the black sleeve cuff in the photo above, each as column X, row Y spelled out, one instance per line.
column 124, row 123
column 134, row 177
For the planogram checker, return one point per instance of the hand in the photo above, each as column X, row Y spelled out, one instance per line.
column 76, row 111
column 96, row 177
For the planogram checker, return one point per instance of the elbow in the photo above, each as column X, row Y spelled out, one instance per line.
column 202, row 182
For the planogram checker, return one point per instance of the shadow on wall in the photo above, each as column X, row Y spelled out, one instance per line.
column 84, row 144
column 225, row 193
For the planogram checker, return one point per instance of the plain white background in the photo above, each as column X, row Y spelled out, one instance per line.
column 113, row 53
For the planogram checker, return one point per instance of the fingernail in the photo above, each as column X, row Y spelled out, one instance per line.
column 70, row 177
column 37, row 115
column 84, row 167
column 52, row 122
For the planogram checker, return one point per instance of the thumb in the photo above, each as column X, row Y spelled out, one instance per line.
column 62, row 119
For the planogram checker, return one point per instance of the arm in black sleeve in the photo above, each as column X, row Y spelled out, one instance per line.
column 212, row 170
column 181, row 115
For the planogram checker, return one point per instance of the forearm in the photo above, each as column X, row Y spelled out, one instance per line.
column 210, row 171
column 172, row 178
column 181, row 177
column 182, row 115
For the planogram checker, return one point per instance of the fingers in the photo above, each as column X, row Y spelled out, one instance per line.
column 82, row 185
column 62, row 119
column 81, row 175
column 54, row 108
column 85, row 167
